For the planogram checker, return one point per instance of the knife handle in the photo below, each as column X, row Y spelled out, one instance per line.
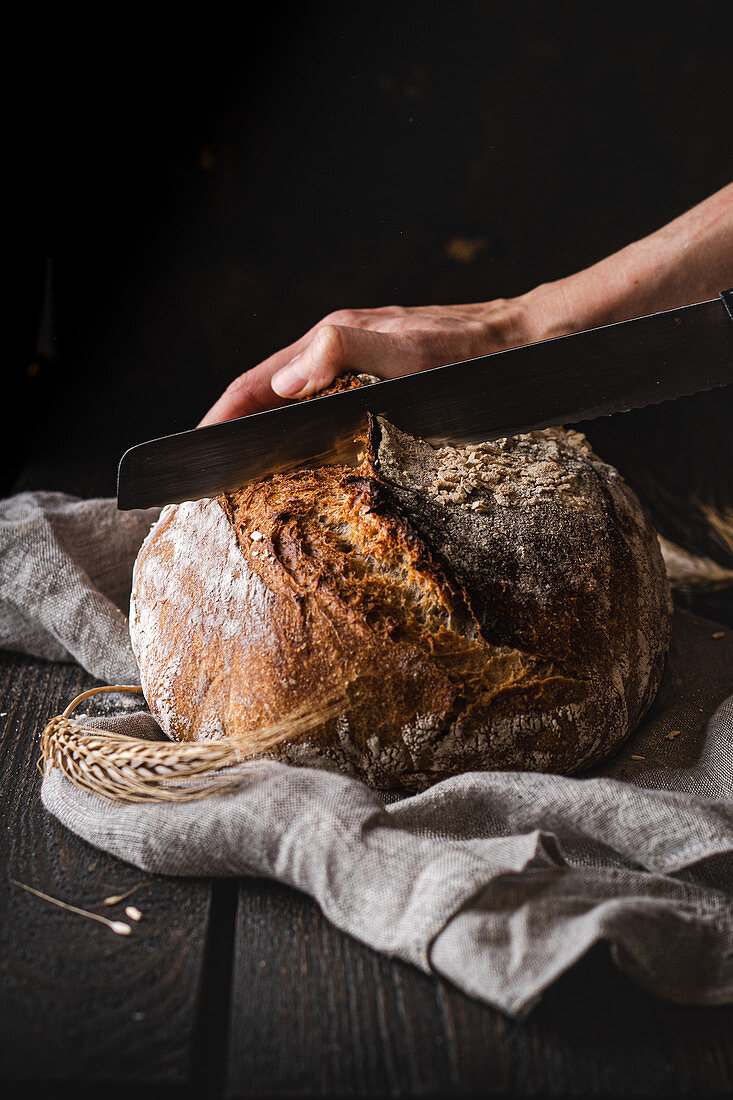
column 727, row 296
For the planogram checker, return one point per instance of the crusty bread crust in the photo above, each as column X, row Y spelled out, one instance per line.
column 496, row 607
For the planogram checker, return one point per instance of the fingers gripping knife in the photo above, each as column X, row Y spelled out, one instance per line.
column 562, row 381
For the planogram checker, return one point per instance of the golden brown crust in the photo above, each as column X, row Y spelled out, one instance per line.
column 524, row 636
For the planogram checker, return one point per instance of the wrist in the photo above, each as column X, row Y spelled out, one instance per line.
column 626, row 284
column 552, row 309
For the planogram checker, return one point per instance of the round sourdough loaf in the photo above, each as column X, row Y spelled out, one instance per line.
column 433, row 611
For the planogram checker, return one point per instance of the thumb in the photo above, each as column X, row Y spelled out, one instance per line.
column 333, row 350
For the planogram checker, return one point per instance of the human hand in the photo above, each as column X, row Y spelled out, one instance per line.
column 685, row 261
column 387, row 342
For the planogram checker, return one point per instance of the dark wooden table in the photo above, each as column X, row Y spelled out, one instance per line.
column 241, row 988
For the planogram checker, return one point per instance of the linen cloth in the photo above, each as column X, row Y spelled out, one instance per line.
column 498, row 881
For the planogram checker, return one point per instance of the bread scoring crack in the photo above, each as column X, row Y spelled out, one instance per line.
column 335, row 538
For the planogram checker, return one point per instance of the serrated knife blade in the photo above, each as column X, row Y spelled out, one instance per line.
column 597, row 372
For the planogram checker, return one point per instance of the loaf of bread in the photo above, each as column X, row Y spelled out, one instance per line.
column 434, row 611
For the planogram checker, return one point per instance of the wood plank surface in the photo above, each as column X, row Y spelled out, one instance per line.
column 315, row 1013
column 79, row 1002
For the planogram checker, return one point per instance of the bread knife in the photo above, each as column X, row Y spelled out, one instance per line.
column 565, row 380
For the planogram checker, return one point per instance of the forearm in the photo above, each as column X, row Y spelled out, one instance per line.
column 688, row 260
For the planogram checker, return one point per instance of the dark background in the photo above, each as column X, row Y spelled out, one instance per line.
column 192, row 196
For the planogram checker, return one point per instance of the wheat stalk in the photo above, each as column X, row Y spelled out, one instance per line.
column 117, row 926
column 693, row 572
column 721, row 522
column 129, row 769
